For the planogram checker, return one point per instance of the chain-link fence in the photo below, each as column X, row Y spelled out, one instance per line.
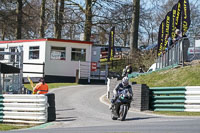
column 11, row 70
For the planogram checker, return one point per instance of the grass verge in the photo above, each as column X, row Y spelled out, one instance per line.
column 6, row 127
column 177, row 113
column 186, row 76
column 51, row 85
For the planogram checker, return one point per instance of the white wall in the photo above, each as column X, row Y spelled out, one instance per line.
column 26, row 45
column 52, row 67
column 64, row 67
column 34, row 68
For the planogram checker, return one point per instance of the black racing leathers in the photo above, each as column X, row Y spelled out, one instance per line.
column 119, row 88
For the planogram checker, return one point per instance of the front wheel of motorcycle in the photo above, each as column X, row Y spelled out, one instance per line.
column 122, row 112
column 113, row 116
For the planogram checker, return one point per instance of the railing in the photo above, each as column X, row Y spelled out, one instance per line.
column 12, row 82
column 175, row 98
column 85, row 71
column 31, row 109
column 185, row 50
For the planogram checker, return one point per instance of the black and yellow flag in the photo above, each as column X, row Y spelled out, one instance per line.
column 174, row 10
column 178, row 16
column 185, row 15
column 161, row 37
column 111, row 50
column 168, row 28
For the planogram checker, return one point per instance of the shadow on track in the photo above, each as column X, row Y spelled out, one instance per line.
column 65, row 109
column 60, row 119
column 139, row 118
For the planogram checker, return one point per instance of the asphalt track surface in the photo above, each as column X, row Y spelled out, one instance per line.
column 79, row 110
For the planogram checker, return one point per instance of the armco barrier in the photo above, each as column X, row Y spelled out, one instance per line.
column 23, row 108
column 175, row 98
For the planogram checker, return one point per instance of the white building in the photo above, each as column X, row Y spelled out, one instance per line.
column 55, row 59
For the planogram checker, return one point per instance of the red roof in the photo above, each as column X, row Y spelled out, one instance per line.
column 48, row 39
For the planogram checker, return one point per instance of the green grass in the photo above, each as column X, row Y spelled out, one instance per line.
column 52, row 85
column 6, row 127
column 177, row 113
column 185, row 76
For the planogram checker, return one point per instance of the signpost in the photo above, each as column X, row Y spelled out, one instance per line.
column 93, row 66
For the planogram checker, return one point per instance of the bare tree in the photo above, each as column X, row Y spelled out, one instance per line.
column 19, row 19
column 59, row 12
column 88, row 20
column 56, row 18
column 135, row 26
column 42, row 19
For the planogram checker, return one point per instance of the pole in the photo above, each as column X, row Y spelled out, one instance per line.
column 77, row 76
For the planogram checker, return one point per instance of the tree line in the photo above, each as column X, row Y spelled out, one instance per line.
column 136, row 21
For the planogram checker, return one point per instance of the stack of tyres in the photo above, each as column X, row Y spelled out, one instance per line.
column 51, row 107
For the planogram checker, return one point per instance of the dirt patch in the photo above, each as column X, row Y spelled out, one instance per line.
column 194, row 62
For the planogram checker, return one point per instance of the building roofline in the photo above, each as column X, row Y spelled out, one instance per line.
column 47, row 39
column 99, row 45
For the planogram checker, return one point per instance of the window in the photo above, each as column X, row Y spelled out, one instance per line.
column 58, row 53
column 1, row 55
column 34, row 52
column 78, row 54
column 12, row 57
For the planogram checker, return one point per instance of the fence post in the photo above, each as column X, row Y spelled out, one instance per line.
column 171, row 56
column 108, row 88
column 43, row 69
column 79, row 67
column 89, row 72
column 77, row 76
column 161, row 60
column 106, row 73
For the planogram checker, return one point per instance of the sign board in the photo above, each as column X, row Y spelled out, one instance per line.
column 55, row 55
column 93, row 66
column 197, row 43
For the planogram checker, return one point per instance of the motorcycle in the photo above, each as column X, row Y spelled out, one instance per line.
column 121, row 105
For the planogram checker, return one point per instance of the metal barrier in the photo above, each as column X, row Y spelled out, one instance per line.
column 175, row 98
column 185, row 50
column 11, row 82
column 176, row 54
column 30, row 109
column 86, row 72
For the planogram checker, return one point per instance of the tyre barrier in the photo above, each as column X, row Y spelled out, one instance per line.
column 23, row 109
column 51, row 107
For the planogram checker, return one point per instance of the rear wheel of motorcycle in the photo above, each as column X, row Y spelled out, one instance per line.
column 123, row 111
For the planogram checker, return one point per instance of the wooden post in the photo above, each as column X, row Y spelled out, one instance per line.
column 77, row 76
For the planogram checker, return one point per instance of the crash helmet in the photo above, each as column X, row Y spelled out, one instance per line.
column 125, row 81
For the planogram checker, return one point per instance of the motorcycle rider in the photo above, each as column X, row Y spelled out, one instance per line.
column 121, row 86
